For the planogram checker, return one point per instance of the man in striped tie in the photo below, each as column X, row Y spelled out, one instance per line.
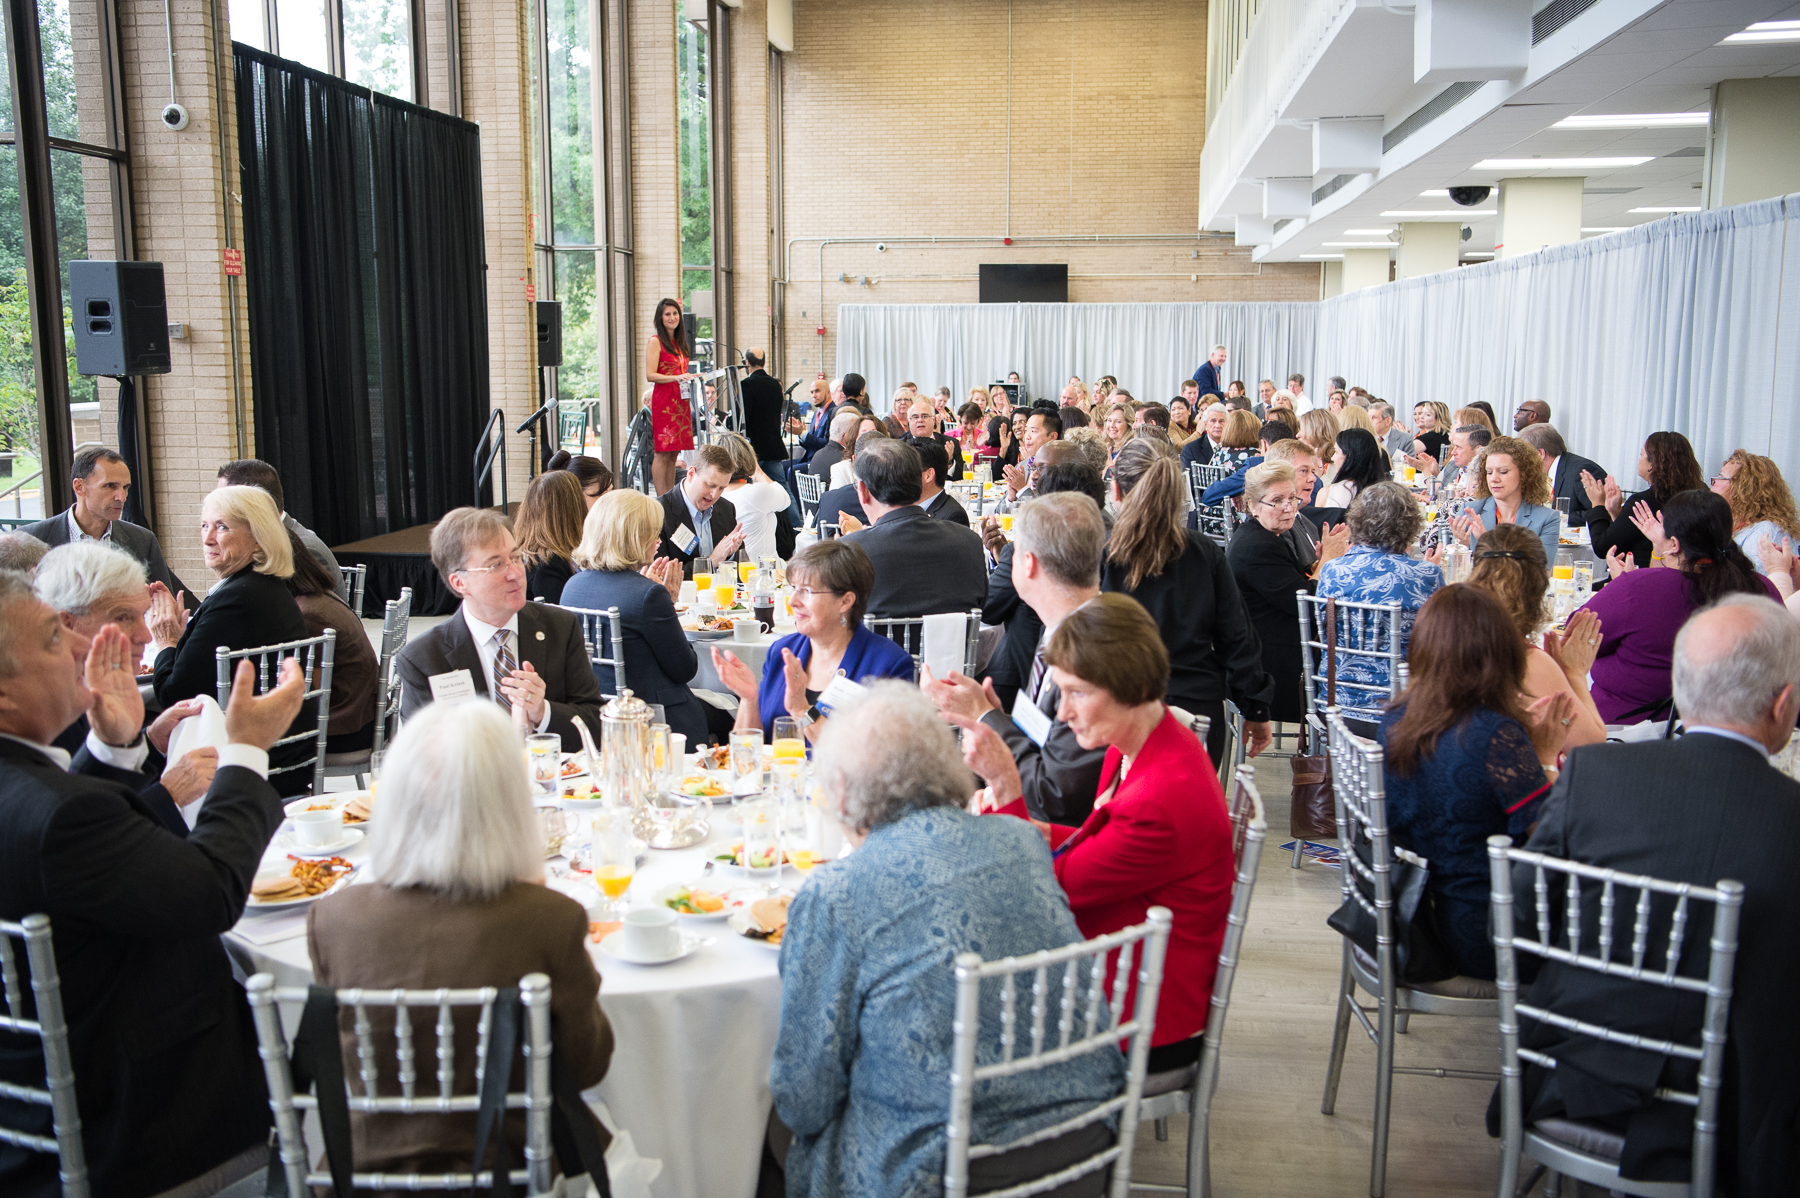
column 529, row 658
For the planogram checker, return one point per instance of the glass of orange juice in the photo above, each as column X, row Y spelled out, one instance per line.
column 803, row 860
column 1006, row 522
column 786, row 739
column 745, row 570
column 726, row 593
column 703, row 580
column 613, row 861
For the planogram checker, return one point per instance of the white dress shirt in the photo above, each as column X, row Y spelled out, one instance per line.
column 1551, row 471
column 77, row 536
column 483, row 635
column 131, row 758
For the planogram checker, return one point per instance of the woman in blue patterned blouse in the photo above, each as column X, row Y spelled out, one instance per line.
column 1384, row 521
column 862, row 1061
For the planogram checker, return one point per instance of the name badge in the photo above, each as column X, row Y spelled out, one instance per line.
column 685, row 539
column 457, row 684
column 1031, row 719
column 838, row 691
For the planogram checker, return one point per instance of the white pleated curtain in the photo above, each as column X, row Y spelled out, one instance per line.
column 1690, row 323
column 1149, row 348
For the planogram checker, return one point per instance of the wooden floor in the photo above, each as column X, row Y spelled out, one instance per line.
column 1268, row 1137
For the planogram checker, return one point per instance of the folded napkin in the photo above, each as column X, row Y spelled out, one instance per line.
column 203, row 730
column 267, row 929
column 944, row 641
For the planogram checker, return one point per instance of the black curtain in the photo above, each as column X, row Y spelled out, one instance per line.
column 364, row 258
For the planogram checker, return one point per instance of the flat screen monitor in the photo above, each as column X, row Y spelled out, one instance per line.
column 1024, row 283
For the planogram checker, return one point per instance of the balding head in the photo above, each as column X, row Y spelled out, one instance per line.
column 1737, row 666
column 1532, row 411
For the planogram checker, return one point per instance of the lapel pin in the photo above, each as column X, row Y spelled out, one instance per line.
column 540, row 636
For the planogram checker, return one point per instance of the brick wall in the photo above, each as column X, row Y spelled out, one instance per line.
column 655, row 182
column 895, row 120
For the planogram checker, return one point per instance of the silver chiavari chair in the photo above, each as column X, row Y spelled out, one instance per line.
column 1366, row 644
column 42, row 1018
column 989, row 1045
column 1217, row 520
column 1577, row 929
column 394, row 629
column 1368, row 857
column 315, row 655
column 1191, row 1089
column 356, row 580
column 811, row 488
column 398, row 1068
column 604, row 634
column 909, row 633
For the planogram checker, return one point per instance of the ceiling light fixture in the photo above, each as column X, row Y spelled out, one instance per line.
column 1667, row 208
column 1358, row 245
column 1560, row 164
column 1321, row 257
column 1478, row 253
column 1367, row 232
column 1641, row 120
column 1764, row 32
column 1608, row 229
column 1436, row 193
column 1420, row 214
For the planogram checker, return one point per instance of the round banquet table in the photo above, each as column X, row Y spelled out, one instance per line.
column 751, row 653
column 693, row 1039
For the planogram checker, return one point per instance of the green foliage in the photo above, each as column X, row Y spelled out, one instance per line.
column 376, row 49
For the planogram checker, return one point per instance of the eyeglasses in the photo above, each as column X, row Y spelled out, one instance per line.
column 1290, row 501
column 516, row 561
column 804, row 593
column 1721, row 478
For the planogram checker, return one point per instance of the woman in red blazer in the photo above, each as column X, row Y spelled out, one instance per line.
column 1159, row 834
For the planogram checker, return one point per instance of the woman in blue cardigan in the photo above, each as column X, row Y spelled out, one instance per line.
column 1511, row 488
column 831, row 581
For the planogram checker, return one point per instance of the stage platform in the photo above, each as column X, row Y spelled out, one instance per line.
column 397, row 560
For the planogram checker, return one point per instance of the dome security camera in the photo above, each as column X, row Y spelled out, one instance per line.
column 881, row 247
column 174, row 118
column 1468, row 197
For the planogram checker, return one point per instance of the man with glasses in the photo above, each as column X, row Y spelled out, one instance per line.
column 529, row 658
column 1532, row 411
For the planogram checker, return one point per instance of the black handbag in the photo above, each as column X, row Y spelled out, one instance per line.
column 1419, row 956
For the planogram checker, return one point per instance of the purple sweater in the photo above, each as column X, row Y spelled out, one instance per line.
column 1640, row 613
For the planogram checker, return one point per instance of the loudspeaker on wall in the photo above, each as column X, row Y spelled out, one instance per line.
column 121, row 318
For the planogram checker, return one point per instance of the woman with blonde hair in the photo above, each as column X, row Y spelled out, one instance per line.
column 1511, row 488
column 1510, row 565
column 548, row 528
column 1762, row 506
column 1320, row 429
column 455, row 898
column 249, row 551
column 1116, row 428
column 619, row 568
column 1351, row 416
column 1184, row 582
column 1431, row 420
column 1475, row 416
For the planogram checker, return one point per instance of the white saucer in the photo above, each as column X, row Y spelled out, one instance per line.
column 614, row 947
column 285, row 839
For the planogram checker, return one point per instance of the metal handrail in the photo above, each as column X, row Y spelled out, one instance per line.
column 493, row 441
column 18, row 509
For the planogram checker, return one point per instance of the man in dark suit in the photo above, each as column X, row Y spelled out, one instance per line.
column 843, row 436
column 699, row 525
column 921, row 425
column 938, row 503
column 762, row 417
column 921, row 565
column 1700, row 809
column 825, row 405
column 1211, row 375
column 167, row 1076
column 102, row 481
column 1055, row 569
column 839, row 502
column 529, row 658
column 1201, row 447
column 1565, row 470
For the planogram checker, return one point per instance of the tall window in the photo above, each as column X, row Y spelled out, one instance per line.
column 694, row 112
column 567, row 241
column 369, row 42
column 79, row 138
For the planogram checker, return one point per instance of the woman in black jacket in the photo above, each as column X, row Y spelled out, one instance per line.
column 1268, row 572
column 1668, row 464
column 548, row 528
column 617, row 545
column 1183, row 581
column 247, row 548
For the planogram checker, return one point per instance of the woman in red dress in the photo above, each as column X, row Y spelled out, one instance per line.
column 671, row 421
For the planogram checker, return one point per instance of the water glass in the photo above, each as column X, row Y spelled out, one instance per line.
column 760, row 823
column 746, row 762
column 1584, row 577
column 544, row 752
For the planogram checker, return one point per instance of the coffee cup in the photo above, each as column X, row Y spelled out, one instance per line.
column 649, row 933
column 747, row 630
column 706, row 601
column 689, row 592
column 317, row 827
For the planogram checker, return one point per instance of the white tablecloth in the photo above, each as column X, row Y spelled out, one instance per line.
column 751, row 653
column 690, row 1071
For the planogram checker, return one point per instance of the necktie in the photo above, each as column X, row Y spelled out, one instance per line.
column 504, row 664
column 1038, row 669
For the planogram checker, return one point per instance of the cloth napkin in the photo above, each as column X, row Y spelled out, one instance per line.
column 203, row 730
column 942, row 643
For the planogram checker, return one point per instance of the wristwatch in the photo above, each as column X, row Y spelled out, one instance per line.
column 808, row 717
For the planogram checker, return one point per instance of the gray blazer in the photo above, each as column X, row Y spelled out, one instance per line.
column 549, row 638
column 317, row 548
column 134, row 539
column 1540, row 520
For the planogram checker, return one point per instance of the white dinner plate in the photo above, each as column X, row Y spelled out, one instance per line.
column 253, row 906
column 735, row 899
column 337, row 800
column 614, row 946
column 741, row 921
column 288, row 841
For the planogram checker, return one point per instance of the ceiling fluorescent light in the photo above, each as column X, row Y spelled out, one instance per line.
column 1367, row 232
column 1668, row 208
column 1457, row 214
column 1437, row 193
column 1609, row 229
column 1764, row 32
column 1478, row 253
column 1321, row 257
column 1642, row 120
column 1358, row 245
column 1559, row 164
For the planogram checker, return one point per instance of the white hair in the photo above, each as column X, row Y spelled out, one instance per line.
column 455, row 805
column 1284, row 393
column 1220, row 408
column 889, row 754
column 1738, row 687
column 77, row 577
